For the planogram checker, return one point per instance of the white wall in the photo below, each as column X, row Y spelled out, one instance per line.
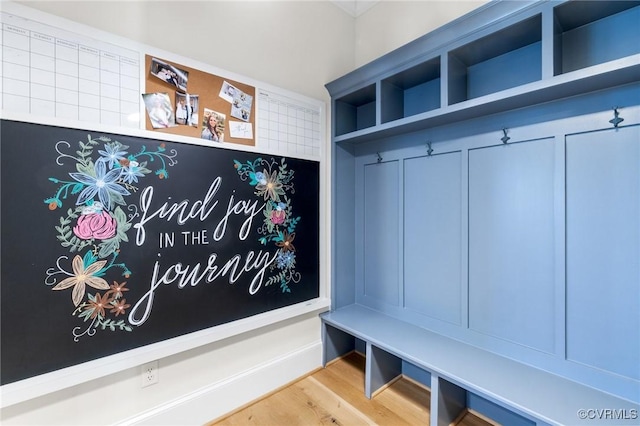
column 391, row 24
column 296, row 45
column 197, row 385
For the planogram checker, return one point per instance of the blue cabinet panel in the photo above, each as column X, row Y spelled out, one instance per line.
column 381, row 232
column 603, row 249
column 511, row 243
column 432, row 228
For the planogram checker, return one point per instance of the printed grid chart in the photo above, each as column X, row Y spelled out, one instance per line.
column 51, row 72
column 287, row 125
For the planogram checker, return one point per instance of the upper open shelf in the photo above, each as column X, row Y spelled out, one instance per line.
column 591, row 33
column 357, row 110
column 411, row 91
column 435, row 80
column 507, row 58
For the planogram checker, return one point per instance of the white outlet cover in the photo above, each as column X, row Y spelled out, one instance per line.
column 149, row 374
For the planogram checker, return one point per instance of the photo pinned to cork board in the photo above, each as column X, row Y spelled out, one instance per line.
column 213, row 124
column 187, row 109
column 202, row 105
column 159, row 110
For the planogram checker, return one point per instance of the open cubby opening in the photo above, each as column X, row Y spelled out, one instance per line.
column 495, row 412
column 588, row 33
column 356, row 111
column 461, row 407
column 507, row 58
column 412, row 91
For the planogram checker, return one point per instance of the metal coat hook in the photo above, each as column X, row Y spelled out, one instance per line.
column 505, row 138
column 616, row 118
column 379, row 157
column 429, row 149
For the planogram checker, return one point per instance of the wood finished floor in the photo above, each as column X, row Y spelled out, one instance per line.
column 335, row 396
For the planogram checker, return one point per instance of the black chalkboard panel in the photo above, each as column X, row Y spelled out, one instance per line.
column 113, row 242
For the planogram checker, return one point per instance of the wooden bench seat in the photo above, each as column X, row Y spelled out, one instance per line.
column 457, row 368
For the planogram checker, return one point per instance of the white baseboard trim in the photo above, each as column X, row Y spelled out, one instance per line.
column 220, row 398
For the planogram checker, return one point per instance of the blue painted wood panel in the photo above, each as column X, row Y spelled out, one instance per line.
column 498, row 73
column 421, row 98
column 607, row 40
column 381, row 238
column 511, row 243
column 344, row 242
column 366, row 116
column 432, row 242
column 603, row 249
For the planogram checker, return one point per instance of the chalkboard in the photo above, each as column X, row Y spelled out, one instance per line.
column 113, row 242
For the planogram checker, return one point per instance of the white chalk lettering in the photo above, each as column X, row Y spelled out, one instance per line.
column 186, row 275
column 200, row 209
column 167, row 239
column 195, row 238
column 246, row 207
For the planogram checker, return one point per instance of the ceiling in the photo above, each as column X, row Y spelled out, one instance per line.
column 355, row 8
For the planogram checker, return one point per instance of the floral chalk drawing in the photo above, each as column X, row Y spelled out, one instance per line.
column 273, row 182
column 97, row 224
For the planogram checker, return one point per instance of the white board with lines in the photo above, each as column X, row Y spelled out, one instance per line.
column 288, row 125
column 47, row 71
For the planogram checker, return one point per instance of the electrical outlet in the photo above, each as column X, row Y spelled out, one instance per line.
column 149, row 374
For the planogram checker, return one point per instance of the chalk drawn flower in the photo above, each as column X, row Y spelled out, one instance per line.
column 278, row 217
column 119, row 307
column 100, row 226
column 285, row 260
column 286, row 241
column 132, row 171
column 97, row 305
column 258, row 178
column 270, row 187
column 104, row 184
column 117, row 289
column 81, row 278
column 112, row 154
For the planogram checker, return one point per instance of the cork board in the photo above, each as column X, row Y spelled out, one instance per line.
column 189, row 102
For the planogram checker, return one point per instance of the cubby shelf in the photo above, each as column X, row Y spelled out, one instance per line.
column 411, row 92
column 486, row 65
column 587, row 48
column 597, row 77
column 357, row 109
column 591, row 33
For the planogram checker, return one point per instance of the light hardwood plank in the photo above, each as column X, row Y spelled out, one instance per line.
column 305, row 402
column 473, row 418
column 335, row 396
column 348, row 382
column 408, row 398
